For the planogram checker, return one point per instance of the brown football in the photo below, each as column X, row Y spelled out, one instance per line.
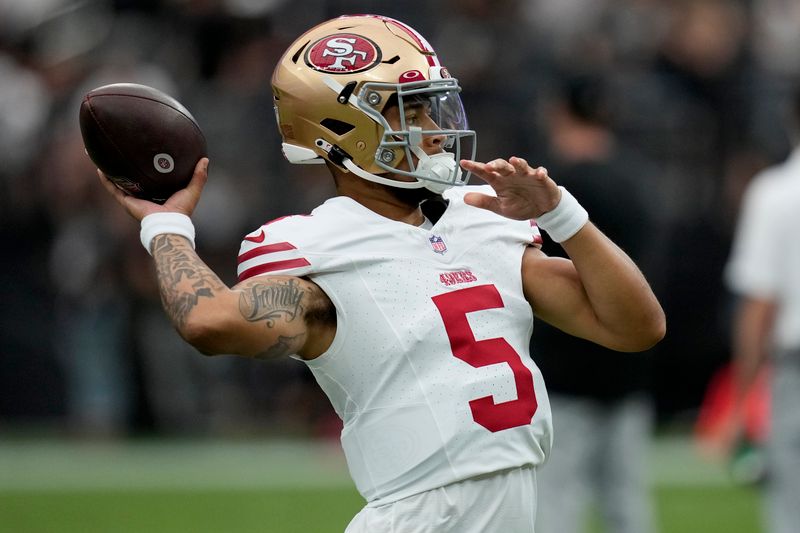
column 144, row 140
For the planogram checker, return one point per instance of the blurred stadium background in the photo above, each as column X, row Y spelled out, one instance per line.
column 108, row 422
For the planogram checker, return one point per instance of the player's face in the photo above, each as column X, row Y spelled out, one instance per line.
column 417, row 114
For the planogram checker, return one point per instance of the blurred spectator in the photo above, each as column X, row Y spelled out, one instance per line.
column 91, row 305
column 498, row 62
column 694, row 108
column 764, row 271
column 24, row 109
column 601, row 399
column 775, row 38
column 26, row 313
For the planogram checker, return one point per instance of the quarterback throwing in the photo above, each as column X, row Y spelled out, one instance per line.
column 410, row 295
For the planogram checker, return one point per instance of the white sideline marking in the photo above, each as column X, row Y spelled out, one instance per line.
column 203, row 465
column 45, row 465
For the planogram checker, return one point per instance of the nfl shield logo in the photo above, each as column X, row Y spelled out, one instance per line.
column 438, row 244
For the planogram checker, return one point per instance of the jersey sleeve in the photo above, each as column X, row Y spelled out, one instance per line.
column 754, row 266
column 268, row 251
column 536, row 236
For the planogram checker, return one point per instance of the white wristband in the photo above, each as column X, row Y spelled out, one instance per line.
column 160, row 223
column 565, row 220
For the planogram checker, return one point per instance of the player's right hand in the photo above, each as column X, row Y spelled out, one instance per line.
column 184, row 201
column 522, row 192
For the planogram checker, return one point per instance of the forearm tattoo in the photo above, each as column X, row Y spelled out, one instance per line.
column 183, row 278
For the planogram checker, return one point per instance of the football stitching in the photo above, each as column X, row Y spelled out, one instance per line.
column 105, row 131
column 188, row 116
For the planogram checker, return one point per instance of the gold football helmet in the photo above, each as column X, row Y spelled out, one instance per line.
column 333, row 84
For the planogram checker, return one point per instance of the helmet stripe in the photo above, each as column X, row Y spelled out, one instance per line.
column 423, row 44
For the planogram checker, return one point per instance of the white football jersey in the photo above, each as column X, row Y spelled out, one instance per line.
column 430, row 368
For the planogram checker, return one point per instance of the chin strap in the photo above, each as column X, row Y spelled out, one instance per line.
column 361, row 173
column 439, row 165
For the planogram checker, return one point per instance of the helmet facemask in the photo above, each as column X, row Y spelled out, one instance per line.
column 434, row 105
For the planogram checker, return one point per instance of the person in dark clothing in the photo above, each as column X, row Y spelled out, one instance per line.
column 600, row 399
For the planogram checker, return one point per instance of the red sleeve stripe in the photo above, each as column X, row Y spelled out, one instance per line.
column 271, row 267
column 266, row 249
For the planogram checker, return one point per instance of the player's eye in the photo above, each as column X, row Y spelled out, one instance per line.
column 417, row 115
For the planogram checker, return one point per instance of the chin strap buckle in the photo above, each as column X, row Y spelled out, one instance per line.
column 335, row 154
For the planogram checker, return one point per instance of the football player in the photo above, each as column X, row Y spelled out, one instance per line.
column 762, row 271
column 409, row 295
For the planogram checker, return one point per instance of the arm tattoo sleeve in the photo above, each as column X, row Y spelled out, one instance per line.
column 183, row 278
column 270, row 300
column 284, row 346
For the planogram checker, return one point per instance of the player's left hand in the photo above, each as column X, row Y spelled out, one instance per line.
column 523, row 192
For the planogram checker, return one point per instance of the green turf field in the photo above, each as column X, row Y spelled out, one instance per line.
column 680, row 509
column 173, row 511
column 280, row 487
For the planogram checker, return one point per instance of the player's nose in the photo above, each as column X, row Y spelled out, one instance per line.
column 434, row 143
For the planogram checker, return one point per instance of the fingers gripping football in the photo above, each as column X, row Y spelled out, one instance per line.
column 183, row 201
column 522, row 192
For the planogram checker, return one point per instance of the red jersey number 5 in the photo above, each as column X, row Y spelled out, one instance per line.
column 453, row 307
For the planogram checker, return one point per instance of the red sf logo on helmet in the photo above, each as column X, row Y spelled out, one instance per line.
column 343, row 53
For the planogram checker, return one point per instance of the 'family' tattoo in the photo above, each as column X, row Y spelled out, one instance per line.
column 175, row 267
column 270, row 300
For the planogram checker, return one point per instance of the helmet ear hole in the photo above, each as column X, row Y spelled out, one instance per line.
column 336, row 126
